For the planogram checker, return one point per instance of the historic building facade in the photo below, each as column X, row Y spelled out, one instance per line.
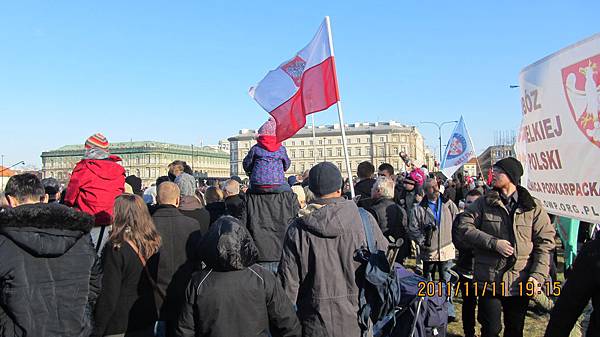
column 494, row 153
column 147, row 160
column 378, row 142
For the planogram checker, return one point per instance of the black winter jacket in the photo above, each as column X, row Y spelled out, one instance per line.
column 126, row 303
column 267, row 218
column 234, row 296
column 216, row 210
column 235, row 206
column 45, row 274
column 363, row 188
column 172, row 266
column 582, row 285
column 391, row 217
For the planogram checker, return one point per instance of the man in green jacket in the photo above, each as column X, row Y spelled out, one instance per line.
column 512, row 236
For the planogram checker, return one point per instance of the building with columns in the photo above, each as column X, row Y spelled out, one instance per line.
column 378, row 142
column 147, row 160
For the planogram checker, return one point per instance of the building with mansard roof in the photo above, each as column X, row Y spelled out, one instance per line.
column 378, row 142
column 145, row 159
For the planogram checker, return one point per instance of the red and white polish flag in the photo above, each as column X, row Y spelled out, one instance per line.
column 300, row 86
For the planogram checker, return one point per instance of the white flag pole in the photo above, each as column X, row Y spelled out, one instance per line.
column 341, row 116
column 312, row 116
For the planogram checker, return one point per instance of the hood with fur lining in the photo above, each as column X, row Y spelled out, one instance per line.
column 45, row 230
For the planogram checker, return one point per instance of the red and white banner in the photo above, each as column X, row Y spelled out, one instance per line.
column 559, row 138
column 300, row 86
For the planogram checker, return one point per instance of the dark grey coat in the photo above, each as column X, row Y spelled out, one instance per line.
column 317, row 267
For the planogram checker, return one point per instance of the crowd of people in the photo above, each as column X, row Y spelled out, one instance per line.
column 106, row 256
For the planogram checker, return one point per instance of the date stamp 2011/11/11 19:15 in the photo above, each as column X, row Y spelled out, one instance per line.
column 447, row 289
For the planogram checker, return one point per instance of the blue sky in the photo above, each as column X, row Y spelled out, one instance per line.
column 179, row 71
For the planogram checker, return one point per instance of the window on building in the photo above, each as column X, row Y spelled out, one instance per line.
column 293, row 143
column 349, row 152
column 301, row 153
column 381, row 151
column 302, row 142
column 358, row 151
column 382, row 139
column 339, row 140
column 293, row 153
column 358, row 140
column 339, row 152
column 349, row 140
column 311, row 153
column 403, row 139
column 320, row 142
column 329, row 153
column 328, row 141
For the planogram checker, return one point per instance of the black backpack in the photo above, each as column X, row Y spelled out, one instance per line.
column 379, row 293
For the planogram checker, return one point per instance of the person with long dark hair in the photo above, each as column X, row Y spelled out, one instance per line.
column 126, row 305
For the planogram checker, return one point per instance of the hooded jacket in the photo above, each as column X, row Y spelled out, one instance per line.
column 46, row 269
column 266, row 168
column 318, row 270
column 94, row 185
column 529, row 230
column 234, row 296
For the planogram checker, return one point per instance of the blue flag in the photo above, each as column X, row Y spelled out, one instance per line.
column 458, row 151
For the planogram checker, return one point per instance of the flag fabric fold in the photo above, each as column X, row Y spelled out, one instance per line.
column 303, row 85
column 458, row 151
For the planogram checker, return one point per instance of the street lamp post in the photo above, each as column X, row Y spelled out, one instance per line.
column 439, row 126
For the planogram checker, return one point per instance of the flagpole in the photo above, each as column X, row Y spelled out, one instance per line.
column 312, row 116
column 341, row 114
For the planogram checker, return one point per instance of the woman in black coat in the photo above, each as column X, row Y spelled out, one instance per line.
column 234, row 296
column 126, row 304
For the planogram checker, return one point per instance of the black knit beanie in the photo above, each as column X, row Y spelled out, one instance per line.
column 512, row 167
column 324, row 178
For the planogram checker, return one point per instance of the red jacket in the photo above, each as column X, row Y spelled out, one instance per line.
column 94, row 185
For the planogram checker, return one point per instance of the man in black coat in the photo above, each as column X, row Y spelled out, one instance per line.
column 173, row 264
column 365, row 183
column 391, row 217
column 46, row 269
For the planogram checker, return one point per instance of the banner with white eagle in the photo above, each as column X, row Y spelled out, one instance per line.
column 559, row 137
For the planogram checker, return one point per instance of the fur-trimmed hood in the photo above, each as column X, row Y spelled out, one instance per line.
column 44, row 229
column 525, row 202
